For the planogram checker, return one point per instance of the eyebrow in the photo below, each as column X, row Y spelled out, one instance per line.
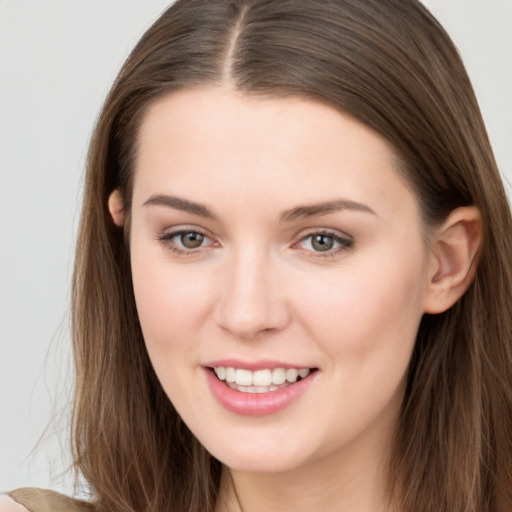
column 319, row 209
column 178, row 203
column 299, row 212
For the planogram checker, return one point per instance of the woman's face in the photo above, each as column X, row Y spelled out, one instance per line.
column 274, row 245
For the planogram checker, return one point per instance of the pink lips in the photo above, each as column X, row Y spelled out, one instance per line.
column 255, row 404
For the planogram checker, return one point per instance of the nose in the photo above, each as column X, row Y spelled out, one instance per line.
column 252, row 301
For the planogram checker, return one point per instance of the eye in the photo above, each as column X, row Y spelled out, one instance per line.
column 325, row 242
column 185, row 241
column 191, row 239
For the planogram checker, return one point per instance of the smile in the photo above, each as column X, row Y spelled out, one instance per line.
column 259, row 381
column 258, row 391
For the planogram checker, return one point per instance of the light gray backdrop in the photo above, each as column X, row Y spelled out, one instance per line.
column 57, row 60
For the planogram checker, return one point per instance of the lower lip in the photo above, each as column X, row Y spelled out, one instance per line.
column 256, row 404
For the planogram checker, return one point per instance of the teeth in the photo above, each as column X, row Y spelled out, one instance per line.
column 262, row 378
column 303, row 373
column 243, row 377
column 230, row 375
column 221, row 373
column 260, row 381
column 278, row 376
column 254, row 389
column 292, row 374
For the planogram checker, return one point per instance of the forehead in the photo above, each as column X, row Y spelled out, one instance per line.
column 220, row 145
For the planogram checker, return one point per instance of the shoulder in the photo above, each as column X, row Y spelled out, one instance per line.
column 31, row 499
column 7, row 504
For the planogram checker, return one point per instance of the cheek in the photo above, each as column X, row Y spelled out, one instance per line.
column 170, row 303
column 171, row 307
column 365, row 321
column 369, row 310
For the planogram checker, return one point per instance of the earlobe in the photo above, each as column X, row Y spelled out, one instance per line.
column 453, row 259
column 116, row 207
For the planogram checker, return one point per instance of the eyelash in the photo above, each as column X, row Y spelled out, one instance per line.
column 344, row 244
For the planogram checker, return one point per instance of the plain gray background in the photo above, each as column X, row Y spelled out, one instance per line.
column 57, row 61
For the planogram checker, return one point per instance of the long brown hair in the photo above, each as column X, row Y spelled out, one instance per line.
column 389, row 64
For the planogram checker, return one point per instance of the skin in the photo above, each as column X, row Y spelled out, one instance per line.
column 7, row 504
column 257, row 288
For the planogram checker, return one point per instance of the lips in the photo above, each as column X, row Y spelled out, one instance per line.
column 259, row 391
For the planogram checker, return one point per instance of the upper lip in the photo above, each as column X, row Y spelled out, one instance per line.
column 261, row 364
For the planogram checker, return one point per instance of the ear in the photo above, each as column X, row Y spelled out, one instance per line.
column 116, row 207
column 453, row 259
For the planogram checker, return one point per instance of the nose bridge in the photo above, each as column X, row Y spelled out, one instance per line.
column 250, row 300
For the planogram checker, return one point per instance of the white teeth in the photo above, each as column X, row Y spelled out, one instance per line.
column 260, row 381
column 243, row 377
column 278, row 376
column 230, row 374
column 303, row 373
column 221, row 373
column 292, row 374
column 262, row 378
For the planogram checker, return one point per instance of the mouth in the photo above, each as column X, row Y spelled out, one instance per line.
column 258, row 388
column 265, row 380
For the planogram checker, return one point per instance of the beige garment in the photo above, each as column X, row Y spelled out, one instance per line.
column 41, row 500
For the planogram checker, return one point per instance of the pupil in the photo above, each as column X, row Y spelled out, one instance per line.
column 191, row 240
column 322, row 242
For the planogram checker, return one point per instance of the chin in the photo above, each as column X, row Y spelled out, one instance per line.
column 259, row 457
column 261, row 464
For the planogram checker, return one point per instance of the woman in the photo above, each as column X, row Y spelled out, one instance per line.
column 292, row 277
